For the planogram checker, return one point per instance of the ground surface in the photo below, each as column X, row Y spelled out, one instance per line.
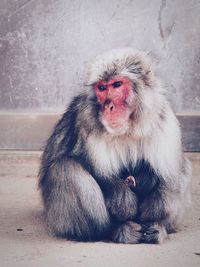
column 25, row 242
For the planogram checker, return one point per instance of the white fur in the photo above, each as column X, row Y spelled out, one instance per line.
column 111, row 154
column 155, row 140
column 160, row 146
column 114, row 58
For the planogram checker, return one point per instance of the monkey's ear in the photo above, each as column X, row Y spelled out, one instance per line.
column 139, row 63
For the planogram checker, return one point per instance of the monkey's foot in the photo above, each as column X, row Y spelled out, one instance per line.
column 153, row 233
column 128, row 233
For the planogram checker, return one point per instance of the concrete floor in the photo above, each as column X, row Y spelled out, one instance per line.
column 25, row 242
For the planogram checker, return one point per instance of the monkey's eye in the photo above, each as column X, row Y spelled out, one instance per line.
column 117, row 84
column 101, row 87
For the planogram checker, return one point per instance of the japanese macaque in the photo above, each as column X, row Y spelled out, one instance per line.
column 113, row 168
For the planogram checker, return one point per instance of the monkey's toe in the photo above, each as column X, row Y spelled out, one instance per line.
column 128, row 233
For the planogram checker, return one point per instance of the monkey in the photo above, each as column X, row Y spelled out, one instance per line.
column 113, row 168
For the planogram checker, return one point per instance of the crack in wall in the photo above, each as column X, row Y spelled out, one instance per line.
column 162, row 7
column 20, row 8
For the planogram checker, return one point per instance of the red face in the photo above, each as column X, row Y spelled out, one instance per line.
column 114, row 97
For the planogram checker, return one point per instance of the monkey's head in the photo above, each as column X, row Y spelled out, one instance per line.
column 121, row 80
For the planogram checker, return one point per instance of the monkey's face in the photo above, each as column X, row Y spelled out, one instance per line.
column 116, row 97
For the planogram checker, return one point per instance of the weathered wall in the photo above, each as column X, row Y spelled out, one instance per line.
column 44, row 45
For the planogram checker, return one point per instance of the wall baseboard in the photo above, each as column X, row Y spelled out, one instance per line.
column 29, row 131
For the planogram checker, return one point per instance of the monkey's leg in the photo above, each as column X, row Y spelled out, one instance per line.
column 122, row 205
column 74, row 203
column 157, row 216
column 153, row 221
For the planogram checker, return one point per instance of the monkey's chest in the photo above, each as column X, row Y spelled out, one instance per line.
column 111, row 156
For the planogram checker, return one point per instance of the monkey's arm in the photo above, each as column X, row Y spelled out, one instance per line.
column 154, row 207
column 166, row 202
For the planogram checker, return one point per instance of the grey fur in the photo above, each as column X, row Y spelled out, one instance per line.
column 84, row 166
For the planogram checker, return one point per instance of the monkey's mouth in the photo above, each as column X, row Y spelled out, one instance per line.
column 115, row 116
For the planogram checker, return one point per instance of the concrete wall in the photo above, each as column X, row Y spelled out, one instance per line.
column 44, row 45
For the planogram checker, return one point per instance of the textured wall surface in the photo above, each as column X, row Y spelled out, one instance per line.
column 44, row 45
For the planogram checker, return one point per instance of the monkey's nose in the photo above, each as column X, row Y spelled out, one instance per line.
column 109, row 105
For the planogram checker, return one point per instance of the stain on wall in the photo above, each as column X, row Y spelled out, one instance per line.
column 44, row 46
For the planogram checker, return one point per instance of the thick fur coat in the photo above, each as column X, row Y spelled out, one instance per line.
column 85, row 164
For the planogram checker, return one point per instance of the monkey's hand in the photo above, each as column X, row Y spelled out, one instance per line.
column 121, row 202
column 130, row 181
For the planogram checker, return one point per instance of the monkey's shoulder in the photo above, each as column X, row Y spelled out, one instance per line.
column 79, row 119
